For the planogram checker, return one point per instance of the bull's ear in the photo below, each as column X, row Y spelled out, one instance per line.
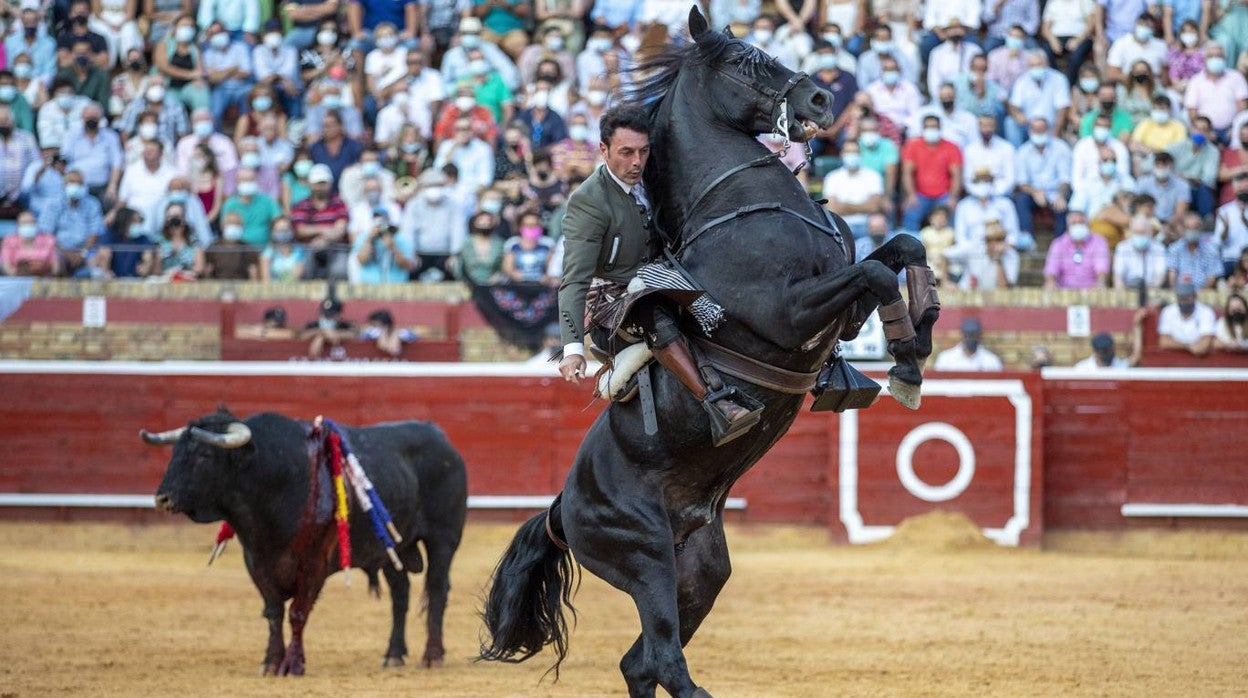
column 728, row 31
column 697, row 23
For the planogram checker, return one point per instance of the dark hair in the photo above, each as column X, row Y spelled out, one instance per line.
column 58, row 83
column 1163, row 158
column 1162, row 101
column 276, row 315
column 382, row 317
column 631, row 118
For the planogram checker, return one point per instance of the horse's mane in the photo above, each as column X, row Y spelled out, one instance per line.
column 656, row 73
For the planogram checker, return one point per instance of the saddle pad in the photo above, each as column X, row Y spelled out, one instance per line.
column 613, row 383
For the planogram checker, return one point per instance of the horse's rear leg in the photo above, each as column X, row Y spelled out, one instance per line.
column 636, row 555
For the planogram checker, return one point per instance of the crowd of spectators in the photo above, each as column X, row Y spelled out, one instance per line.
column 394, row 140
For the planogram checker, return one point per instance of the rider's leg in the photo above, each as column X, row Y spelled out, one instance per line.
column 668, row 347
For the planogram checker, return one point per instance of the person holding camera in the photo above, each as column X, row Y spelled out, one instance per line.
column 384, row 256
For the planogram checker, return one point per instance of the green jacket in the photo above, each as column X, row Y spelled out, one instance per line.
column 601, row 218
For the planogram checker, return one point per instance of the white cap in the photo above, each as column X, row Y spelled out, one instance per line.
column 320, row 173
column 469, row 25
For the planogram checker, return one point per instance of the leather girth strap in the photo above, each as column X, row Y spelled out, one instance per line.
column 756, row 372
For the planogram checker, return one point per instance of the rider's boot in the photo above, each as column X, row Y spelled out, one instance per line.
column 924, row 304
column 728, row 419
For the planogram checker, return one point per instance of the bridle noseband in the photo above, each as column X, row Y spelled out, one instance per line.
column 779, row 102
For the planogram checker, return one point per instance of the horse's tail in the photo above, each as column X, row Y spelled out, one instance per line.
column 533, row 582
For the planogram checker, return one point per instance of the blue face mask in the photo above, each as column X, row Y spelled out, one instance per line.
column 262, row 103
column 1199, row 139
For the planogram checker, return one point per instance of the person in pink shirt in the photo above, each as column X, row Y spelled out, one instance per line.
column 1077, row 259
column 29, row 252
column 1216, row 92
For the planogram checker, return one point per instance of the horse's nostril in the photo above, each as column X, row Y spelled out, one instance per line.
column 819, row 99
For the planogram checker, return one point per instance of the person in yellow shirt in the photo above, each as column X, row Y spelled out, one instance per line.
column 1160, row 130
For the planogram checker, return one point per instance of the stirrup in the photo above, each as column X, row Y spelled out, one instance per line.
column 723, row 430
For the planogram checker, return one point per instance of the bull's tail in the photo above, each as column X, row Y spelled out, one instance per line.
column 533, row 583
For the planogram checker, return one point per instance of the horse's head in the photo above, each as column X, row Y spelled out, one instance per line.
column 751, row 91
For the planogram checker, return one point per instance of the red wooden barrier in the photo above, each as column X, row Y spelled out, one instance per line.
column 1014, row 452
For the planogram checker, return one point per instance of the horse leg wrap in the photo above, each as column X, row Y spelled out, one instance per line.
column 897, row 324
column 921, row 287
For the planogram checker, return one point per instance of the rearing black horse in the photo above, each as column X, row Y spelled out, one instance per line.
column 646, row 513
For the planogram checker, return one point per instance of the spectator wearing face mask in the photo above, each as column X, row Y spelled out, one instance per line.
column 95, row 150
column 76, row 28
column 87, row 80
column 283, row 260
column 1139, row 45
column 878, row 232
column 177, row 58
column 871, row 62
column 179, row 194
column 1216, row 93
column 1230, row 231
column 1007, row 61
column 256, row 210
column 29, row 251
column 1086, row 156
column 435, row 222
column 931, row 174
column 854, row 191
column 952, row 56
column 43, row 182
column 232, row 258
column 892, row 96
column 146, row 181
column 480, row 259
column 551, row 45
column 1042, row 93
column 1103, row 355
column 1232, row 330
column 1159, row 131
column 957, row 126
column 1120, row 121
column 455, row 62
column 1192, row 259
column 1186, row 57
column 981, row 206
column 1077, row 259
column 203, row 133
column 995, row 267
column 473, row 157
column 276, row 64
column 1196, row 160
column 1171, row 193
column 320, row 223
column 227, row 70
column 170, row 116
column 1187, row 324
column 1139, row 260
column 578, row 153
column 545, row 125
column 77, row 221
column 465, row 106
column 526, row 257
column 59, row 113
column 328, row 330
column 351, row 184
column 590, row 64
column 373, row 199
column 970, row 354
column 23, row 115
column 1042, row 169
column 33, row 39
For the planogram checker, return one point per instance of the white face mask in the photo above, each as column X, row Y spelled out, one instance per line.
column 155, row 93
column 578, row 132
column 465, row 103
column 596, row 98
column 762, row 36
column 540, row 99
column 980, row 190
column 1079, row 232
column 434, row 195
column 326, row 38
column 273, row 40
column 148, row 131
column 233, row 233
column 554, row 43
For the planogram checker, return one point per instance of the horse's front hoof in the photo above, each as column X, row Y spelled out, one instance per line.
column 908, row 394
column 433, row 659
column 390, row 662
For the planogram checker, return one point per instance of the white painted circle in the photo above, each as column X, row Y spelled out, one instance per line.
column 905, row 462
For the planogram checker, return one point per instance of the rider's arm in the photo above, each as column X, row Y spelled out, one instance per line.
column 584, row 228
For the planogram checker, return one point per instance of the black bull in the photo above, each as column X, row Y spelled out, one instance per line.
column 254, row 474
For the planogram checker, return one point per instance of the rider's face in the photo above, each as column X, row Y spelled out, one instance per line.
column 627, row 154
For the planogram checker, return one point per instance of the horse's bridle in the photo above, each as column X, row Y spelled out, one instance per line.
column 779, row 101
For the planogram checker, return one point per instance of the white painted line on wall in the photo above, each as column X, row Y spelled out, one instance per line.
column 1147, row 374
column 1237, row 511
column 147, row 501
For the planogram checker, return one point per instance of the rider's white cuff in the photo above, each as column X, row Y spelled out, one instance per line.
column 571, row 348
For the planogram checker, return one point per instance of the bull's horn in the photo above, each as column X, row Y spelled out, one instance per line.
column 161, row 438
column 236, row 435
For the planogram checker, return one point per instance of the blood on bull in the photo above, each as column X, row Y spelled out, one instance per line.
column 256, row 474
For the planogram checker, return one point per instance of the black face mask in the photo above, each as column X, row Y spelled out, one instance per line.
column 30, row 31
column 947, row 105
column 6, row 131
column 173, row 222
column 1242, row 196
column 1140, row 77
column 1108, row 106
column 79, row 21
column 1187, row 308
column 91, row 124
column 136, row 66
column 1238, row 317
column 971, row 345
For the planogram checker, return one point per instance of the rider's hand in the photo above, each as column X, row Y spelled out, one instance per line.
column 573, row 368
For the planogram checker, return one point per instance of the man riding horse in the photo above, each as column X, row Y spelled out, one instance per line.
column 609, row 239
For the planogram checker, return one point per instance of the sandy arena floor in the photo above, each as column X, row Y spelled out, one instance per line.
column 94, row 610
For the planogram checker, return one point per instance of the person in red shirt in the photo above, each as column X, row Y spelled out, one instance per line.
column 465, row 106
column 320, row 223
column 931, row 173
